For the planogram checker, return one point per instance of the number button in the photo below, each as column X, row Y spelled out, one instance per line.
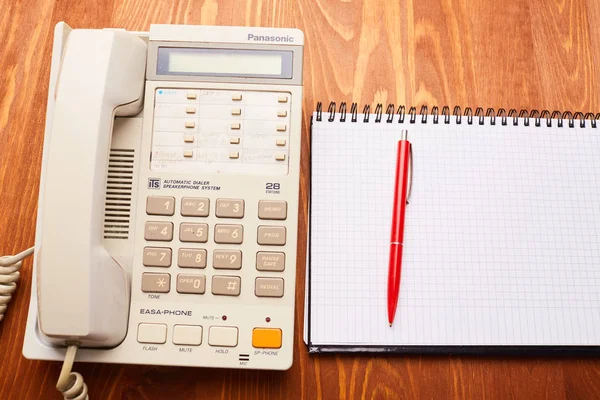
column 227, row 259
column 160, row 231
column 157, row 257
column 196, row 233
column 191, row 258
column 231, row 234
column 158, row 205
column 230, row 208
column 195, row 207
column 191, row 284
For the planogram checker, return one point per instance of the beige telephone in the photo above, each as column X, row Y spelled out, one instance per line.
column 167, row 235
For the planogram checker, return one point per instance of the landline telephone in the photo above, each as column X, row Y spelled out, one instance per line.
column 167, row 235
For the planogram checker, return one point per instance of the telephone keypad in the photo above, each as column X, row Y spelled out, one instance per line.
column 156, row 283
column 159, row 231
column 222, row 259
column 157, row 257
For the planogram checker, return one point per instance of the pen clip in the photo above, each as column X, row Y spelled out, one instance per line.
column 410, row 173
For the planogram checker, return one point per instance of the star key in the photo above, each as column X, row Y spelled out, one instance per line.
column 156, row 283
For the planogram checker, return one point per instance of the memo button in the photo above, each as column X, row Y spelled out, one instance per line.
column 266, row 338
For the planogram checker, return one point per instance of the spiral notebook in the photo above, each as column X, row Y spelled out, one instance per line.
column 502, row 234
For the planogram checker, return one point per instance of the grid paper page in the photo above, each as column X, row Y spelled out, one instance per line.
column 502, row 238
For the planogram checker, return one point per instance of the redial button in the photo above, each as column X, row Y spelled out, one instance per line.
column 268, row 287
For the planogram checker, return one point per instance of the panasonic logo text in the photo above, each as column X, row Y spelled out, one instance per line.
column 264, row 38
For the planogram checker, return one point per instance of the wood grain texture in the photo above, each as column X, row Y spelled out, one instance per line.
column 532, row 54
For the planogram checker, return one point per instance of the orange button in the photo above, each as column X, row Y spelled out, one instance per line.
column 266, row 338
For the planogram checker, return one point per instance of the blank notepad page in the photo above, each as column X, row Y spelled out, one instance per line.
column 502, row 238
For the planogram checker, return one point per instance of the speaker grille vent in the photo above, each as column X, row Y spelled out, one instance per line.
column 119, row 185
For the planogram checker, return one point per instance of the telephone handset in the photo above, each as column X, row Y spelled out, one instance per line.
column 83, row 293
column 168, row 216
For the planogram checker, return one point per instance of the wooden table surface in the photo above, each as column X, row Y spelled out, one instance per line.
column 531, row 54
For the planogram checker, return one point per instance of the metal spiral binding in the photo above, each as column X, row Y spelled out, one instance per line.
column 366, row 113
column 378, row 112
column 526, row 117
column 390, row 113
column 435, row 111
column 413, row 115
column 343, row 112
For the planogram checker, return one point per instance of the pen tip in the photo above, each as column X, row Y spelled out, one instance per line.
column 390, row 324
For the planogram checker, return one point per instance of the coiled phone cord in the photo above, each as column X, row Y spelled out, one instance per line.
column 71, row 384
column 9, row 276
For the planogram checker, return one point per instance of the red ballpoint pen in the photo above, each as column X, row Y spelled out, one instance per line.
column 402, row 190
